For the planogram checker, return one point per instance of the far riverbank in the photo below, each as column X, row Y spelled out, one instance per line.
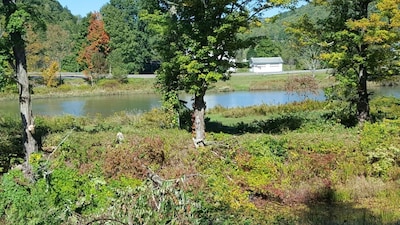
column 73, row 87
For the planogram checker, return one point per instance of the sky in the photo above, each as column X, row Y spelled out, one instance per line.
column 83, row 7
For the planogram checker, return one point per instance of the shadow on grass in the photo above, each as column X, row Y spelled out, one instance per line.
column 344, row 213
column 275, row 125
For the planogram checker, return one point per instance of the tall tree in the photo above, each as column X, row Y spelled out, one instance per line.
column 265, row 47
column 305, row 41
column 199, row 41
column 130, row 41
column 34, row 50
column 95, row 53
column 58, row 44
column 362, row 38
column 16, row 15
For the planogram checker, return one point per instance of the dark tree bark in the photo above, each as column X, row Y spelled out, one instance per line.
column 363, row 96
column 199, row 127
column 362, row 89
column 25, row 104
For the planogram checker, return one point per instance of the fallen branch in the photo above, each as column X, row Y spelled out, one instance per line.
column 62, row 141
column 105, row 220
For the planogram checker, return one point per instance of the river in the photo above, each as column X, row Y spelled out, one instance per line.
column 138, row 103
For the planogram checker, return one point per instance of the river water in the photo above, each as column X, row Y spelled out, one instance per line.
column 137, row 103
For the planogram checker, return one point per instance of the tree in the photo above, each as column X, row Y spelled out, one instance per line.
column 49, row 74
column 95, row 53
column 130, row 42
column 362, row 38
column 16, row 15
column 305, row 41
column 199, row 41
column 267, row 48
column 34, row 50
column 58, row 44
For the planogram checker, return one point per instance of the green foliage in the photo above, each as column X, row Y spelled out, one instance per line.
column 362, row 48
column 130, row 39
column 379, row 143
column 265, row 47
column 5, row 72
column 10, row 143
column 109, row 84
column 203, row 52
column 57, row 198
column 385, row 107
column 84, row 175
column 17, row 21
column 274, row 125
column 269, row 146
column 265, row 110
column 342, row 99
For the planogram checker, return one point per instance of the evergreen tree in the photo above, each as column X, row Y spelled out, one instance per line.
column 130, row 42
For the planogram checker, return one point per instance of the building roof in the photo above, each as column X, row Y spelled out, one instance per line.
column 266, row 60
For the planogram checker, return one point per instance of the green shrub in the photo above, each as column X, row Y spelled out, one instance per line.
column 60, row 198
column 11, row 146
column 109, row 84
column 385, row 107
column 379, row 143
column 274, row 125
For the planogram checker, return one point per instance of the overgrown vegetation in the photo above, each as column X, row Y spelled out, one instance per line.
column 287, row 164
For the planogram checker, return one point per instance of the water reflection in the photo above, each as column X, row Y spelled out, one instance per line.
column 246, row 98
column 137, row 103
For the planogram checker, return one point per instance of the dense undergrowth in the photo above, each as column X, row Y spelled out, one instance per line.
column 287, row 164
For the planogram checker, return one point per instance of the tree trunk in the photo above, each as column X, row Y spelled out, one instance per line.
column 25, row 104
column 199, row 127
column 363, row 97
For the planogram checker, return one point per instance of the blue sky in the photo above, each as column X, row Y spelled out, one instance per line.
column 83, row 7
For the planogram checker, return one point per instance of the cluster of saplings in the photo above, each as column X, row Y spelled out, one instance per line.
column 300, row 163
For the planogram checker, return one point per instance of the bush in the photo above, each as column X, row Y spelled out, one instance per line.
column 275, row 125
column 109, row 84
column 49, row 75
column 11, row 145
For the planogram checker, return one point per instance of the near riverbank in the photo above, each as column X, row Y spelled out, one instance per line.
column 289, row 164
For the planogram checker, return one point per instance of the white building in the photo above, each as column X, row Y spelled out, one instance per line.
column 266, row 64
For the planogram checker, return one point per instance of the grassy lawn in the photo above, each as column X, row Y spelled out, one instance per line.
column 266, row 82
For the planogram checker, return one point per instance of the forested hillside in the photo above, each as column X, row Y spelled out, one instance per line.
column 271, row 37
column 65, row 38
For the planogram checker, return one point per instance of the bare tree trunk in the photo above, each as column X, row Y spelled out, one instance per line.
column 363, row 97
column 199, row 127
column 25, row 104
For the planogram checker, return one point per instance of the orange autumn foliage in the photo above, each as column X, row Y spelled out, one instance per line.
column 95, row 52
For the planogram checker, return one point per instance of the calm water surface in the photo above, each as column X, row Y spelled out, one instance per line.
column 108, row 105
